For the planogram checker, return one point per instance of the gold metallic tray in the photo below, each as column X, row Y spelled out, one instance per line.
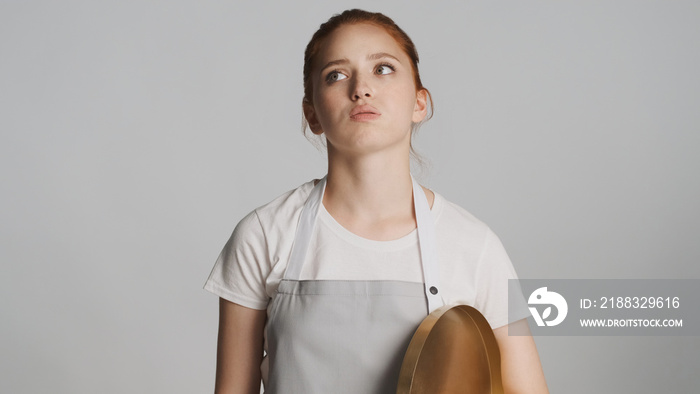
column 453, row 351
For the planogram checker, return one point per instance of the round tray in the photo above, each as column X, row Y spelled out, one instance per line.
column 453, row 351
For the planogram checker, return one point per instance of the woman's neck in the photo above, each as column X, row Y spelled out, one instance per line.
column 371, row 195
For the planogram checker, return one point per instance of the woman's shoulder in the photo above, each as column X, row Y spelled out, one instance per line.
column 446, row 210
column 288, row 199
column 267, row 224
column 458, row 227
column 283, row 209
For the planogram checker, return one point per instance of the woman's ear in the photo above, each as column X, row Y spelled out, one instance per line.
column 310, row 115
column 421, row 108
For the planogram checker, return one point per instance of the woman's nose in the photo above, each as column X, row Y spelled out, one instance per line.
column 360, row 89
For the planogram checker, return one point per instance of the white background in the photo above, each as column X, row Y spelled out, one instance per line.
column 135, row 135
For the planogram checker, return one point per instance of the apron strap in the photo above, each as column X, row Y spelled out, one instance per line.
column 305, row 229
column 426, row 240
column 428, row 249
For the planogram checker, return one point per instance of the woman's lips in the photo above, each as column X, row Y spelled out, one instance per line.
column 365, row 116
column 364, row 113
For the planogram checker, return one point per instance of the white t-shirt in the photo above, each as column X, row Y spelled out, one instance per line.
column 473, row 265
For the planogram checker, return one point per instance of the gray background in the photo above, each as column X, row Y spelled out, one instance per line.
column 135, row 135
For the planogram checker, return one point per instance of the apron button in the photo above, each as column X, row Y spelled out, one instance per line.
column 433, row 290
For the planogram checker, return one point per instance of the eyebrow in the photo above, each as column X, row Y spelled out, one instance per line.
column 374, row 56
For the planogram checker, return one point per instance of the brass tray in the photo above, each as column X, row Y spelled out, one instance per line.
column 453, row 351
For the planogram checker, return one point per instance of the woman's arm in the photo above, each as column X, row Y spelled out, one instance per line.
column 240, row 349
column 520, row 364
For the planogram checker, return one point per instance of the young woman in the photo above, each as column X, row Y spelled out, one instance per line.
column 331, row 279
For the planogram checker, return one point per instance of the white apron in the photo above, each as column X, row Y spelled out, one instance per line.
column 346, row 336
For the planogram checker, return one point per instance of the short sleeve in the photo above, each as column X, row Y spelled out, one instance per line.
column 493, row 271
column 240, row 272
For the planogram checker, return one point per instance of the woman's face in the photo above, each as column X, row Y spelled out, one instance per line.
column 364, row 95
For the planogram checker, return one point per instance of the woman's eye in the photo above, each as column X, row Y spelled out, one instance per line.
column 335, row 76
column 385, row 69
